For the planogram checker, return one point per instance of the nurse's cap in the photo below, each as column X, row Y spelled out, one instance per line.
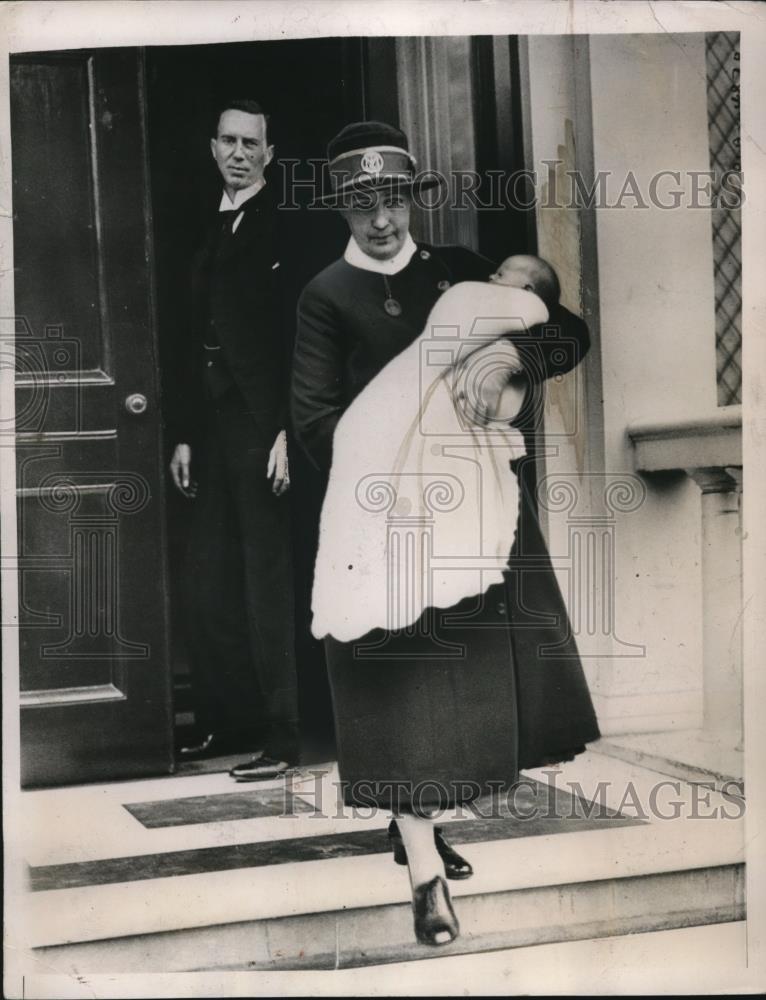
column 370, row 156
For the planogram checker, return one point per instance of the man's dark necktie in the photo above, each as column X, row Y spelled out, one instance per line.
column 227, row 224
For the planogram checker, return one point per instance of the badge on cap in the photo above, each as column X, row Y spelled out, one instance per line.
column 372, row 162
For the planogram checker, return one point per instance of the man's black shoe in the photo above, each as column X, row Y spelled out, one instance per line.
column 259, row 769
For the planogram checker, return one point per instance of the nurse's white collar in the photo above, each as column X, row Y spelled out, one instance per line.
column 355, row 256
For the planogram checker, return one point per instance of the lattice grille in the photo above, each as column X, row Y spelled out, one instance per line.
column 722, row 57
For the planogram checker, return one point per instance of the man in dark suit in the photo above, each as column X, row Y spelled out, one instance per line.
column 231, row 433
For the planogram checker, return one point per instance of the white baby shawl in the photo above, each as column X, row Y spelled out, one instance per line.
column 421, row 504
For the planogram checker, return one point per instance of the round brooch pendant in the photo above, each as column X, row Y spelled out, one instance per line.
column 392, row 307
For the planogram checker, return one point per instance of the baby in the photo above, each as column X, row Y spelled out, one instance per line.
column 523, row 270
column 413, row 451
column 487, row 387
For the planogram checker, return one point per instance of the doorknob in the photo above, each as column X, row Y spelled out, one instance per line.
column 136, row 404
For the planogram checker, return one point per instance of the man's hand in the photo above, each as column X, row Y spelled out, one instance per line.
column 179, row 470
column 278, row 467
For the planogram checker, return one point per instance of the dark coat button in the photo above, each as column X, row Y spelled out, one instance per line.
column 501, row 608
column 443, row 286
column 425, row 255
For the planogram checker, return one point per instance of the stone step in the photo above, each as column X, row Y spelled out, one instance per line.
column 310, row 891
column 373, row 935
column 710, row 959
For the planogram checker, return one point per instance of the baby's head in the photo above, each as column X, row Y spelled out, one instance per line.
column 533, row 273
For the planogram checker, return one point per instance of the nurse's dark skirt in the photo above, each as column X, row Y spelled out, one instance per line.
column 449, row 710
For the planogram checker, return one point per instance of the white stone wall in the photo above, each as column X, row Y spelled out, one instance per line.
column 656, row 351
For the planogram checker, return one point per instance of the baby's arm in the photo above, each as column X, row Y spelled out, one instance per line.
column 485, row 390
column 484, row 387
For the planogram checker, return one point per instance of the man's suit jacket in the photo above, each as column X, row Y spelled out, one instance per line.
column 237, row 282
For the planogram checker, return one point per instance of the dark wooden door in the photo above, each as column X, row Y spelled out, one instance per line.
column 95, row 678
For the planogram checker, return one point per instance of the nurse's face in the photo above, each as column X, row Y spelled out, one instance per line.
column 379, row 222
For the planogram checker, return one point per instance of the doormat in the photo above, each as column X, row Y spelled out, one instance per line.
column 253, row 804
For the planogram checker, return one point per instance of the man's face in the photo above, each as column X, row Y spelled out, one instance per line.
column 240, row 149
column 379, row 222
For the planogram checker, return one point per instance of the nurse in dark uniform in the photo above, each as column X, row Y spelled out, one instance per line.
column 449, row 710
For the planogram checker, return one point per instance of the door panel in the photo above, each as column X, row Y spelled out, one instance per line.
column 92, row 579
column 57, row 255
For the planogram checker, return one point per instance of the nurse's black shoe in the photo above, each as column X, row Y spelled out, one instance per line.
column 435, row 920
column 455, row 866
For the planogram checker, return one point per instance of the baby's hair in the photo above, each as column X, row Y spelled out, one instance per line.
column 536, row 274
column 546, row 282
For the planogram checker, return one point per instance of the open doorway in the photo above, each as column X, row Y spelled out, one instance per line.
column 310, row 88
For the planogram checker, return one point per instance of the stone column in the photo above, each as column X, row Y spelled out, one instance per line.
column 722, row 598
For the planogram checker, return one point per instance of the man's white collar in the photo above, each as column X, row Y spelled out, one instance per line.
column 240, row 197
column 355, row 256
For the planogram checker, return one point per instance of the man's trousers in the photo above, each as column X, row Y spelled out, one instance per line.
column 240, row 589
